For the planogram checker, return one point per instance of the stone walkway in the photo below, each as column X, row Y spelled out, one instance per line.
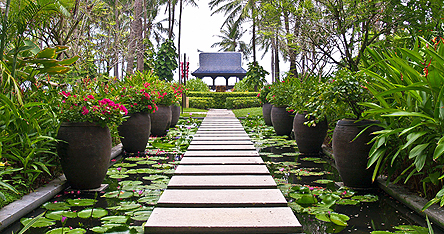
column 222, row 186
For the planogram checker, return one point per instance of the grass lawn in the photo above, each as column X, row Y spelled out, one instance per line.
column 187, row 111
column 247, row 111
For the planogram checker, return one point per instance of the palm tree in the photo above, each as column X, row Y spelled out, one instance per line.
column 231, row 40
column 238, row 11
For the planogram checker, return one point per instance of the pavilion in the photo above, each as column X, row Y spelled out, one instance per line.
column 222, row 64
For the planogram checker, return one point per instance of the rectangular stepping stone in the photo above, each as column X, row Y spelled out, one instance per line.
column 225, row 132
column 221, row 128
column 222, row 198
column 221, row 147
column 221, row 170
column 221, row 135
column 222, row 220
column 221, row 138
column 234, row 153
column 220, row 160
column 222, row 182
column 198, row 142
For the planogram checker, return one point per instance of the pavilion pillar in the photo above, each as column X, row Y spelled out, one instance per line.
column 214, row 83
column 226, row 83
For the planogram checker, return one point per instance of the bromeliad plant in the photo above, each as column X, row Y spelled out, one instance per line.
column 409, row 88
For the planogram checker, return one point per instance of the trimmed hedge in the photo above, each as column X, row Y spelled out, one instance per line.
column 201, row 102
column 242, row 102
column 220, row 98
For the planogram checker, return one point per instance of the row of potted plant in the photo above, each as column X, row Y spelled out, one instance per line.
column 140, row 106
column 304, row 107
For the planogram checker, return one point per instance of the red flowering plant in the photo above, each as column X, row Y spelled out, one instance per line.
column 178, row 90
column 163, row 93
column 136, row 99
column 90, row 107
column 263, row 94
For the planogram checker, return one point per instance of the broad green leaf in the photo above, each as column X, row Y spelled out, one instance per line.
column 115, row 219
column 57, row 215
column 81, row 202
column 439, row 150
column 56, row 206
column 96, row 213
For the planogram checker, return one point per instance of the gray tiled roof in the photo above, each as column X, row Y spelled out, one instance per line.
column 221, row 64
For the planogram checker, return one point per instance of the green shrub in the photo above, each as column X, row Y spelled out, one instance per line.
column 201, row 102
column 220, row 97
column 242, row 102
column 197, row 85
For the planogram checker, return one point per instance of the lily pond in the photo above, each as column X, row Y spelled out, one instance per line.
column 310, row 184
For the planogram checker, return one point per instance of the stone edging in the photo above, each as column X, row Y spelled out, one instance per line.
column 16, row 210
column 409, row 199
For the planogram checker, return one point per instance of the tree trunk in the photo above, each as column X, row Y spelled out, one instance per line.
column 178, row 39
column 139, row 36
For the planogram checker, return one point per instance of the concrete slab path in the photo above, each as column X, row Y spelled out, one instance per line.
column 222, row 186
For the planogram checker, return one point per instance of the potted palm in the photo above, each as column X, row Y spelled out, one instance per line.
column 266, row 106
column 135, row 131
column 280, row 96
column 84, row 139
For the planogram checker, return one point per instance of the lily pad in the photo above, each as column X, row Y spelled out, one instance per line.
column 149, row 200
column 275, row 156
column 149, row 171
column 155, row 177
column 81, row 202
column 135, row 159
column 96, row 213
column 347, row 202
column 56, row 206
column 126, row 206
column 42, row 222
column 125, row 165
column 365, row 198
column 118, row 194
column 58, row 214
column 66, row 230
column 115, row 219
column 130, row 182
column 146, row 162
column 324, row 181
column 118, row 176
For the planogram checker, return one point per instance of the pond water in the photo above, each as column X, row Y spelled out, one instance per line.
column 136, row 182
column 376, row 212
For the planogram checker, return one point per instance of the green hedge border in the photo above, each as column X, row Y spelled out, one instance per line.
column 220, row 98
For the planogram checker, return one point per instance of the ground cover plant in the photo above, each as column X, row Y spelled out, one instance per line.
column 135, row 184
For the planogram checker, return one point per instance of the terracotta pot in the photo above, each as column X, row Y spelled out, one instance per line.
column 175, row 114
column 135, row 132
column 351, row 156
column 309, row 139
column 161, row 121
column 84, row 151
column 266, row 113
column 282, row 120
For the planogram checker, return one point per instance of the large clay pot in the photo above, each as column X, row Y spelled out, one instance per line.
column 282, row 120
column 351, row 156
column 175, row 114
column 266, row 113
column 135, row 132
column 309, row 139
column 161, row 121
column 84, row 151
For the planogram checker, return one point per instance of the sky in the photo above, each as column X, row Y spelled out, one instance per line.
column 199, row 30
